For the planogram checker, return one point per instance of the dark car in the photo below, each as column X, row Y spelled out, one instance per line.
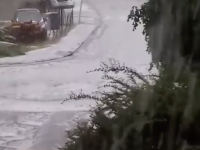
column 34, row 15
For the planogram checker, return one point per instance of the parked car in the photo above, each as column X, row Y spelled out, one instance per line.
column 34, row 15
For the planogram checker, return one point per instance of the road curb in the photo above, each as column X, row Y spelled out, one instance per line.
column 52, row 59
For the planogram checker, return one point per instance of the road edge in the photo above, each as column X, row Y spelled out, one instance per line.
column 39, row 61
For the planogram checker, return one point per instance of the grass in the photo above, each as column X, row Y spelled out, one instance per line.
column 12, row 51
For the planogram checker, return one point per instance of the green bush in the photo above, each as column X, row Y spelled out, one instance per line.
column 135, row 113
column 9, row 51
column 104, row 129
column 4, row 35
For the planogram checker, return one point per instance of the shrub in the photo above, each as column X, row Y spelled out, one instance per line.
column 112, row 114
column 4, row 35
column 135, row 113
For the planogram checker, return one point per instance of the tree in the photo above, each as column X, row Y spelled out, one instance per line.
column 172, row 30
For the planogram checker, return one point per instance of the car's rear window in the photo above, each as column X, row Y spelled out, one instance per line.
column 25, row 16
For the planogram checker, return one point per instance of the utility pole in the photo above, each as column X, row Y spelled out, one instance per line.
column 80, row 11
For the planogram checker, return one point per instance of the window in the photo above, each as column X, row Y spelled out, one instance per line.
column 25, row 16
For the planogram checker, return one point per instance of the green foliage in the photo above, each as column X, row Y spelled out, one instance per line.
column 171, row 28
column 134, row 113
column 112, row 119
column 4, row 35
column 148, row 15
column 9, row 51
